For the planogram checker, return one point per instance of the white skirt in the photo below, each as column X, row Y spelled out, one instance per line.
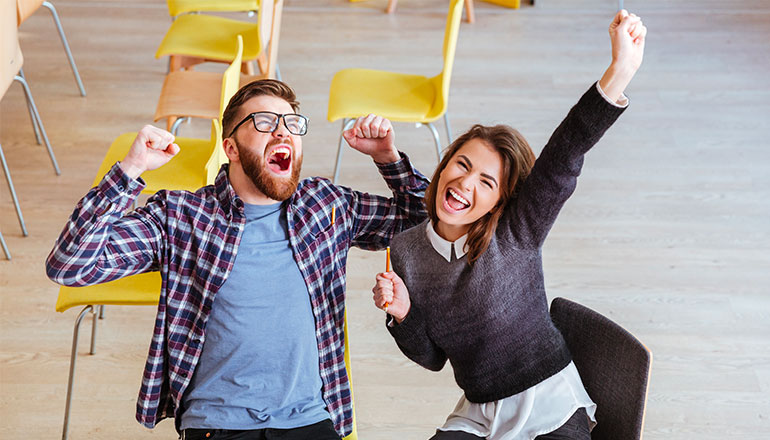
column 538, row 410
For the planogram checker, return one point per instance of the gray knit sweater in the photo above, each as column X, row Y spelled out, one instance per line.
column 490, row 319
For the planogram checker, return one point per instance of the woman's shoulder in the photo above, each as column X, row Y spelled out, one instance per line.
column 410, row 238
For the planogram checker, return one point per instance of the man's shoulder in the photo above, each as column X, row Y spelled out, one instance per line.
column 318, row 189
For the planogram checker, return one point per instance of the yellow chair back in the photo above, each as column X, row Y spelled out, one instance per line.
column 176, row 7
column 441, row 82
column 10, row 52
column 231, row 78
column 218, row 156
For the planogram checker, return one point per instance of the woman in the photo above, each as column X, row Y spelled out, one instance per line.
column 467, row 285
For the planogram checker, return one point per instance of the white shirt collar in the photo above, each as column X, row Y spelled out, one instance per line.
column 444, row 247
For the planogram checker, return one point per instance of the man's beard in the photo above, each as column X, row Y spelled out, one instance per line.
column 276, row 188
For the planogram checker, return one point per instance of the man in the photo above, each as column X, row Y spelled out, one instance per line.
column 248, row 341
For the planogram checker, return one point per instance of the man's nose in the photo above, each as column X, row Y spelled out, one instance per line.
column 280, row 130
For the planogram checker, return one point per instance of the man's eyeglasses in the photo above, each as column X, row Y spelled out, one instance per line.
column 267, row 122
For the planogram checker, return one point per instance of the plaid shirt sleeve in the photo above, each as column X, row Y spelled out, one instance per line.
column 377, row 219
column 99, row 243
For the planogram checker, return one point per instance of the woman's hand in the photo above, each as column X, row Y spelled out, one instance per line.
column 391, row 290
column 627, row 35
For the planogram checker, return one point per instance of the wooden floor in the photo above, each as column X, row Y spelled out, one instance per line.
column 668, row 233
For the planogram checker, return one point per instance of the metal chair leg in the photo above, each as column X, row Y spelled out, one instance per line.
column 95, row 320
column 5, row 247
column 13, row 194
column 66, row 46
column 31, row 115
column 436, row 139
column 73, row 359
column 24, row 84
column 101, row 311
column 448, row 128
column 346, row 124
column 278, row 72
column 176, row 124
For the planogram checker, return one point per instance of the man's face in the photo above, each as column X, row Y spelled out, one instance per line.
column 271, row 160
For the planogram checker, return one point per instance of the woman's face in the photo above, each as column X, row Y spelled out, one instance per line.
column 468, row 188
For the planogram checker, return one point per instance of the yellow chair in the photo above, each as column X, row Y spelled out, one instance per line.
column 136, row 290
column 192, row 94
column 179, row 7
column 195, row 38
column 397, row 96
column 195, row 165
column 470, row 16
column 25, row 8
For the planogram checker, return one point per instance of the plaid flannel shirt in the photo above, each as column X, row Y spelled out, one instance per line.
column 192, row 239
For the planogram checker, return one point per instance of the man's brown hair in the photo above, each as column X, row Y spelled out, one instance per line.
column 259, row 87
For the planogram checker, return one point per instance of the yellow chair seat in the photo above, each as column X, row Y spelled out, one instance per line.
column 136, row 290
column 188, row 164
column 176, row 7
column 210, row 37
column 396, row 96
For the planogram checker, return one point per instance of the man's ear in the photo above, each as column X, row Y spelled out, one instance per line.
column 231, row 150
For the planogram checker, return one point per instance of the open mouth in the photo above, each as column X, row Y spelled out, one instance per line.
column 279, row 160
column 455, row 202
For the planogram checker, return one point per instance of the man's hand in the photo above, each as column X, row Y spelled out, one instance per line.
column 390, row 289
column 373, row 135
column 627, row 35
column 152, row 148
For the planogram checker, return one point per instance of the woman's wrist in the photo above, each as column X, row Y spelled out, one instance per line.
column 615, row 79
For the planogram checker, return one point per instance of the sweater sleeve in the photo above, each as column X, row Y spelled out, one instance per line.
column 533, row 211
column 413, row 340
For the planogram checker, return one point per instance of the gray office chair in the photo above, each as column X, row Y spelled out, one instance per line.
column 614, row 367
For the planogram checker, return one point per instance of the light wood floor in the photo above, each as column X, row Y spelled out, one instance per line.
column 668, row 233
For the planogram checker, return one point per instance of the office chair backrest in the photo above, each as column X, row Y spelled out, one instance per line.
column 10, row 52
column 613, row 365
column 451, row 33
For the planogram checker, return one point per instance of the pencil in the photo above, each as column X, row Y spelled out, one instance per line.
column 334, row 215
column 387, row 269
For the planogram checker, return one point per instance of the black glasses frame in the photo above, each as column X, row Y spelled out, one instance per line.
column 278, row 119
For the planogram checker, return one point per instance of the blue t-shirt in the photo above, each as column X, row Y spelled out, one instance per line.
column 259, row 365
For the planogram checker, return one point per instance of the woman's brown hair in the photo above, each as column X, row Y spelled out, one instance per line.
column 518, row 160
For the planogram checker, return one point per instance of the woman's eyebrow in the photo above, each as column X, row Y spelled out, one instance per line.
column 470, row 165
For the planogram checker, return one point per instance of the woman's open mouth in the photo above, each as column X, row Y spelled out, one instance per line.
column 454, row 202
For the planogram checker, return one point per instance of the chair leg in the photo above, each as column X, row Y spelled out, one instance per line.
column 448, row 128
column 175, row 126
column 278, row 72
column 470, row 16
column 31, row 115
column 66, row 45
column 13, row 194
column 73, row 359
column 101, row 311
column 436, row 139
column 5, row 247
column 24, row 84
column 391, row 6
column 346, row 124
column 95, row 320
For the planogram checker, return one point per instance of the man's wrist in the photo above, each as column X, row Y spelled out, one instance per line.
column 387, row 157
column 131, row 170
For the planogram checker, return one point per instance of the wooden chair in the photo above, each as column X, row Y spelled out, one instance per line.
column 189, row 93
column 195, row 38
column 614, row 366
column 399, row 97
column 136, row 290
column 11, row 61
column 25, row 8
